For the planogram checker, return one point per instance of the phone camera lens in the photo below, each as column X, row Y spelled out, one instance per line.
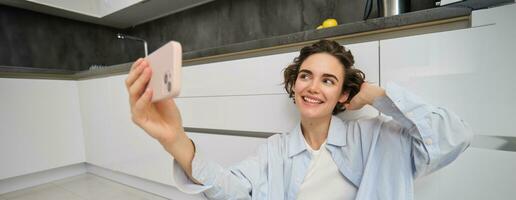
column 166, row 79
column 169, row 86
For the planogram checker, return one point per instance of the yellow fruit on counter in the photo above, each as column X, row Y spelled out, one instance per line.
column 320, row 27
column 329, row 23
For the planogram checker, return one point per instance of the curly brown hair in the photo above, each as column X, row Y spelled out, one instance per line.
column 353, row 78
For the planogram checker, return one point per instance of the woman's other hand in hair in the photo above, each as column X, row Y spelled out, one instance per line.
column 367, row 94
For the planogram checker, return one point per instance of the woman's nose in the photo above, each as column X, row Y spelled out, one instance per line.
column 313, row 87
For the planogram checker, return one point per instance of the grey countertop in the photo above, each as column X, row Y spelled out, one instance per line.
column 304, row 37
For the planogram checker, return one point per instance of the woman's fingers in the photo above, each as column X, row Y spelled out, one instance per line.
column 140, row 107
column 136, row 89
column 135, row 72
column 354, row 104
column 136, row 63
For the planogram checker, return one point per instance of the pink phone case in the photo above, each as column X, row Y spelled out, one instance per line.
column 166, row 71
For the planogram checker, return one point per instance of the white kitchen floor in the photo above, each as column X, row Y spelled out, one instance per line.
column 82, row 187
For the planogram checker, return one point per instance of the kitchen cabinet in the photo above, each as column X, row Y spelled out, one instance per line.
column 40, row 126
column 112, row 141
column 248, row 94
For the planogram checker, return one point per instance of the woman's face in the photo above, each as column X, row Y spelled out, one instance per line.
column 318, row 86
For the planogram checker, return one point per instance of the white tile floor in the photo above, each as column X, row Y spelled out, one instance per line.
column 82, row 187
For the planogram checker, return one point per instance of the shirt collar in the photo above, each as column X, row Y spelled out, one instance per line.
column 336, row 136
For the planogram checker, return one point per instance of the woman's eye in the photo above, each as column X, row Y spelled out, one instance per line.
column 328, row 82
column 303, row 76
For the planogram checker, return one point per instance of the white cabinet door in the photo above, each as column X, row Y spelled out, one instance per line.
column 112, row 141
column 96, row 120
column 40, row 126
column 470, row 72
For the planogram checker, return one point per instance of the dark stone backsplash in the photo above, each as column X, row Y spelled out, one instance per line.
column 31, row 39
column 231, row 21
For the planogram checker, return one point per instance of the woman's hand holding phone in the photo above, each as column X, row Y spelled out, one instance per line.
column 160, row 119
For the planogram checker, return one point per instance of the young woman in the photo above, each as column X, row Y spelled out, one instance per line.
column 323, row 157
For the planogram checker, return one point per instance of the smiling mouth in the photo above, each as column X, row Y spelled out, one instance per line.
column 312, row 100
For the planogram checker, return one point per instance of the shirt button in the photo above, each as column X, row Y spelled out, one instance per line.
column 428, row 141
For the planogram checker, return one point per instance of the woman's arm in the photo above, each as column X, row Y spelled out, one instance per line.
column 162, row 121
column 435, row 135
column 245, row 180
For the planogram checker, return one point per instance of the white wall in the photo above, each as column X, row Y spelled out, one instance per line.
column 40, row 126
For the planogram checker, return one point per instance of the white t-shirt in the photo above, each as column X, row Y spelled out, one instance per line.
column 323, row 179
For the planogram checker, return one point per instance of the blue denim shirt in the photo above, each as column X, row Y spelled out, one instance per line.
column 380, row 156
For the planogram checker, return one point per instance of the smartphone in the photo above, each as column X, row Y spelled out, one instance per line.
column 166, row 71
